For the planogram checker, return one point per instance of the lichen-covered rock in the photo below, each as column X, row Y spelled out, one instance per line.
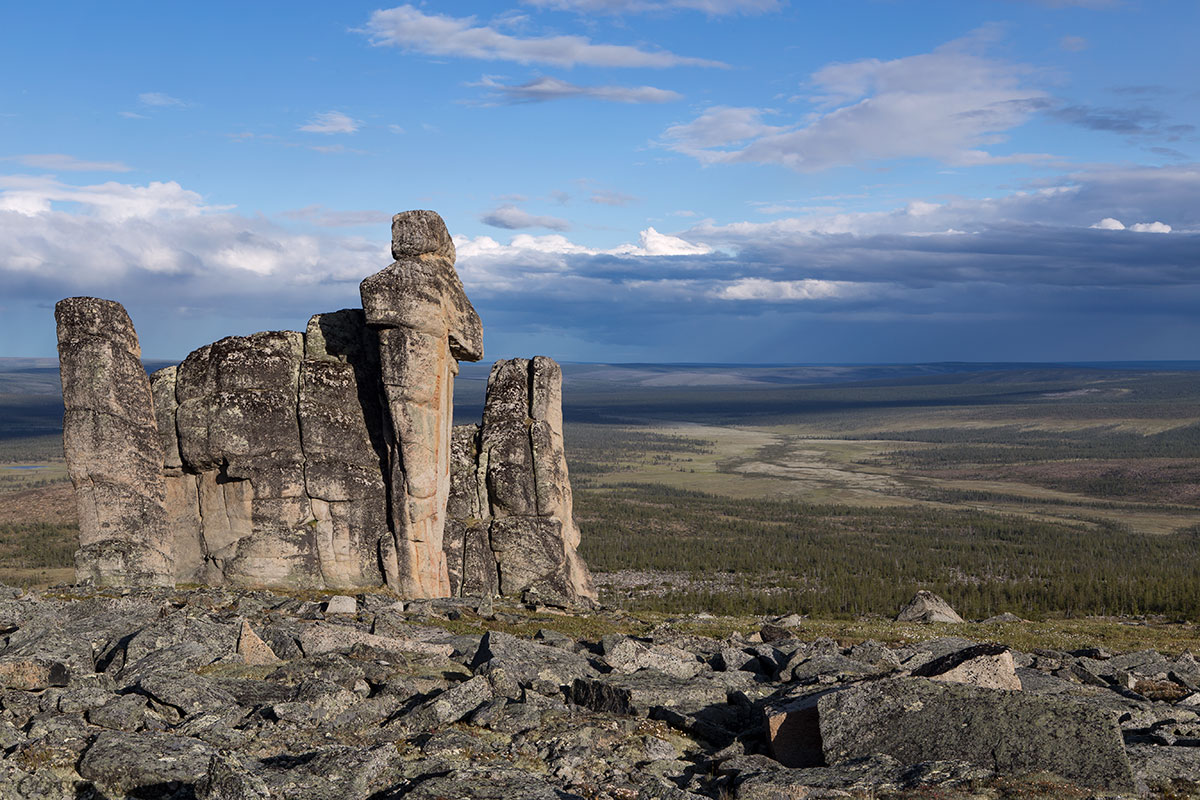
column 118, row 763
column 111, row 442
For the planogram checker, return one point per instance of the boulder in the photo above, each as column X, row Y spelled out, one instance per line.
column 987, row 665
column 927, row 607
column 141, row 764
column 916, row 720
column 513, row 663
column 639, row 693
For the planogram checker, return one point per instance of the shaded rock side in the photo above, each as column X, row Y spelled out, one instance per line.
column 342, row 434
column 111, row 443
column 425, row 324
column 510, row 489
column 915, row 720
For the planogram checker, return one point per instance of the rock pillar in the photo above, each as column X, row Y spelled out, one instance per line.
column 111, row 442
column 425, row 325
column 512, row 493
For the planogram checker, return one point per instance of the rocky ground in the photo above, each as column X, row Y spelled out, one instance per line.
column 243, row 695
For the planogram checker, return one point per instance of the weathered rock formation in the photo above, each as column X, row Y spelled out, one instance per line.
column 110, row 438
column 511, row 526
column 322, row 458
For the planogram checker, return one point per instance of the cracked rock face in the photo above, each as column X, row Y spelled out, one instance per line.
column 323, row 458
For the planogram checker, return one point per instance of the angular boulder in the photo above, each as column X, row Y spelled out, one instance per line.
column 927, row 607
column 987, row 665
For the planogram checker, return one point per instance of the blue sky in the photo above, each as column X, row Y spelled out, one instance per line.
column 626, row 180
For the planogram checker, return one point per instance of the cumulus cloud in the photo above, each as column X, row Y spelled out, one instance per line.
column 331, row 122
column 653, row 243
column 61, row 162
column 948, row 105
column 512, row 218
column 714, row 8
column 442, row 35
column 546, row 88
column 1110, row 224
column 132, row 240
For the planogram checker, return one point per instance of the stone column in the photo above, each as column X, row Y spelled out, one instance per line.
column 111, row 442
column 425, row 325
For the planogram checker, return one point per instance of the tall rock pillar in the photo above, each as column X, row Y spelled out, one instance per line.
column 111, row 442
column 425, row 325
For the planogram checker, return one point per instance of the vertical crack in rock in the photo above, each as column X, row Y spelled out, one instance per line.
column 110, row 439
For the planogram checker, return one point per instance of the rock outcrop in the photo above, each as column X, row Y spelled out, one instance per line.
column 323, row 458
column 110, row 437
column 512, row 527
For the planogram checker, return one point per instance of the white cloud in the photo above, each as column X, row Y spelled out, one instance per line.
column 717, row 127
column 512, row 218
column 1110, row 224
column 115, row 237
column 1073, row 44
column 441, row 35
column 763, row 289
column 713, row 8
column 650, row 243
column 653, row 243
column 547, row 88
column 948, row 105
column 111, row 201
column 131, row 115
column 64, row 163
column 160, row 99
column 331, row 122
